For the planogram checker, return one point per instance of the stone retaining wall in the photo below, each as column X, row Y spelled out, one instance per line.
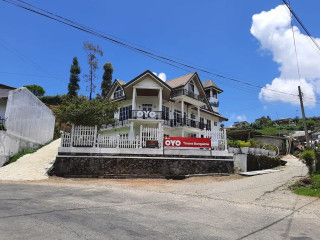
column 112, row 166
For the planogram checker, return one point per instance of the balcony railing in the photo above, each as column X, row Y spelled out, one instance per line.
column 182, row 91
column 2, row 123
column 184, row 122
column 149, row 115
column 117, row 123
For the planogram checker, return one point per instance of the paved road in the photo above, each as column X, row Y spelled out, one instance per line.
column 199, row 208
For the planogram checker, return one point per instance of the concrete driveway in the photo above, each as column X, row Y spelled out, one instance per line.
column 258, row 207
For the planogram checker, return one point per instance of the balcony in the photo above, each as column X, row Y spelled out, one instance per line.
column 146, row 115
column 116, row 124
column 184, row 122
column 184, row 92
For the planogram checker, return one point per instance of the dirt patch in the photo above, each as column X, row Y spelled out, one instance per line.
column 141, row 183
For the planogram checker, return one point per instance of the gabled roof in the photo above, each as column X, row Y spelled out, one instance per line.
column 116, row 83
column 180, row 81
column 152, row 74
column 121, row 82
column 209, row 83
column 4, row 90
column 6, row 87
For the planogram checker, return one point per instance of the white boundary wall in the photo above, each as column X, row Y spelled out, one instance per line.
column 29, row 123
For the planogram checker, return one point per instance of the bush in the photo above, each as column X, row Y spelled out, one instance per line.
column 272, row 148
column 233, row 143
column 244, row 144
column 296, row 153
column 253, row 142
column 81, row 111
column 308, row 158
column 52, row 100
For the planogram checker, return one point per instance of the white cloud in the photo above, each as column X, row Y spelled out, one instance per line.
column 162, row 76
column 273, row 30
column 241, row 118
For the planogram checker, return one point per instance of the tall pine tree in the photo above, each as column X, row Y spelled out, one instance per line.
column 106, row 79
column 73, row 86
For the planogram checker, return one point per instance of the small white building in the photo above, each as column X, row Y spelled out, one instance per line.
column 25, row 122
column 183, row 107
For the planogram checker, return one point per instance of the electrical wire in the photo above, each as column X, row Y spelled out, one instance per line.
column 166, row 60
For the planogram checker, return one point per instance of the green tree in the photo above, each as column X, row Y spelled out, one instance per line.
column 310, row 124
column 73, row 86
column 92, row 52
column 81, row 111
column 36, row 90
column 106, row 79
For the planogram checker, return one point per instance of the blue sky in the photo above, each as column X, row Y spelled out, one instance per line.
column 211, row 33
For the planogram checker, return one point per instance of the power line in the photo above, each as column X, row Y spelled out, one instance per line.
column 301, row 24
column 166, row 60
column 295, row 48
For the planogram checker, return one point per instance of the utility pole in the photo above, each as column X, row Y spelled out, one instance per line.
column 304, row 117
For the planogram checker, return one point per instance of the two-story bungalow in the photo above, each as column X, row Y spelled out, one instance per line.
column 183, row 106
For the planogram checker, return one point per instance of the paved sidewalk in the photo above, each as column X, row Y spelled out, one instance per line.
column 31, row 166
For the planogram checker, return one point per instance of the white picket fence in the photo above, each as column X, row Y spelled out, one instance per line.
column 151, row 134
column 218, row 139
column 87, row 136
column 118, row 142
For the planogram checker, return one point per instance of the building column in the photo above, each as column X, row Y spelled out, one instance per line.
column 182, row 111
column 160, row 99
column 198, row 113
column 211, row 94
column 134, row 93
column 131, row 130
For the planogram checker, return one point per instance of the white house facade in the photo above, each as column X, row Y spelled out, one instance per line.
column 182, row 107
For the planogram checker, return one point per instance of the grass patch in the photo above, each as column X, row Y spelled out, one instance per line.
column 308, row 186
column 308, row 192
column 25, row 152
column 21, row 154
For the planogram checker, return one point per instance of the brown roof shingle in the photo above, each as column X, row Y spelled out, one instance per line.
column 210, row 83
column 180, row 81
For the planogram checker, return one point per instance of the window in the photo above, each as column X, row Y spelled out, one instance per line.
column 201, row 123
column 191, row 87
column 125, row 113
column 165, row 113
column 124, row 135
column 215, row 123
column 193, row 116
column 147, row 107
column 207, row 93
column 208, row 127
column 193, row 135
column 214, row 94
column 177, row 115
column 118, row 92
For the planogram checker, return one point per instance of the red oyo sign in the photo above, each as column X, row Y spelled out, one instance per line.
column 186, row 142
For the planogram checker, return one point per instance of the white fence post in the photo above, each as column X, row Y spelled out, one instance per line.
column 141, row 136
column 71, row 136
column 225, row 140
column 95, row 136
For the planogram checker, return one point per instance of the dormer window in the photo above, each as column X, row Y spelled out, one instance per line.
column 118, row 92
column 191, row 87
